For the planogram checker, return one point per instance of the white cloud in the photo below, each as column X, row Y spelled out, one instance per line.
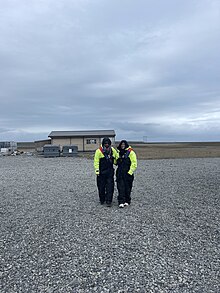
column 110, row 64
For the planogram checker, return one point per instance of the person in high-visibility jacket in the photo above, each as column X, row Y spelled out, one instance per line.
column 104, row 158
column 127, row 164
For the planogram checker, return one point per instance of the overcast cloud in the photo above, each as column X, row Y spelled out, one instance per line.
column 144, row 68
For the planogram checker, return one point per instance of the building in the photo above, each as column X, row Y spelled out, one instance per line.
column 26, row 147
column 88, row 140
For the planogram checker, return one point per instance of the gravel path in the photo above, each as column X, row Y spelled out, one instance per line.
column 55, row 237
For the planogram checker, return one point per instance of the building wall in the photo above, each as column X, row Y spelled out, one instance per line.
column 93, row 145
column 84, row 144
column 26, row 146
column 69, row 141
column 78, row 141
column 60, row 141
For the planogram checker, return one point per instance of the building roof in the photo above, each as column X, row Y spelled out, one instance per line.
column 88, row 133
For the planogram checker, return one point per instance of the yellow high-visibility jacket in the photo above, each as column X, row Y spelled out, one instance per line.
column 101, row 165
column 131, row 161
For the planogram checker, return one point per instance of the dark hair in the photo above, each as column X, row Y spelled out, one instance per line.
column 106, row 140
column 123, row 141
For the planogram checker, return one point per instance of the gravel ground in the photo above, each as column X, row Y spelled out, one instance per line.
column 56, row 237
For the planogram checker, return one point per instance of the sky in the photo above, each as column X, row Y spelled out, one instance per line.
column 149, row 69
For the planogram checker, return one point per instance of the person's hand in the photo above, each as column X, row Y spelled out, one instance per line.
column 97, row 172
column 130, row 173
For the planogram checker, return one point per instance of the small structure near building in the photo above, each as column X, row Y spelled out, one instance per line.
column 26, row 147
column 7, row 147
column 88, row 140
column 69, row 150
column 5, row 151
column 51, row 150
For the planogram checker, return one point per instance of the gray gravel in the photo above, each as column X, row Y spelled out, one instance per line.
column 55, row 237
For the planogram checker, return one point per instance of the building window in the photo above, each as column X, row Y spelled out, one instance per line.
column 91, row 141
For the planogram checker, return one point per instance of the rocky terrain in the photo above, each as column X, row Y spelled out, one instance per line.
column 56, row 237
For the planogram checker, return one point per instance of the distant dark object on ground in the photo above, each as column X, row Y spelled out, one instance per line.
column 69, row 150
column 51, row 150
column 57, row 151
